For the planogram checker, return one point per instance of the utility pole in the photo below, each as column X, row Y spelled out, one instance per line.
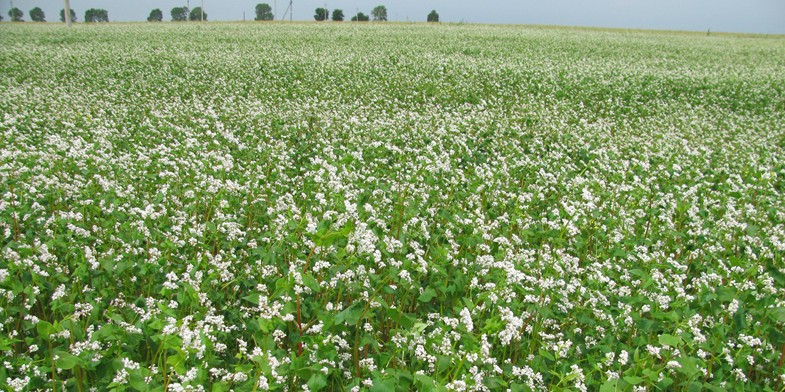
column 66, row 12
column 290, row 10
column 202, row 10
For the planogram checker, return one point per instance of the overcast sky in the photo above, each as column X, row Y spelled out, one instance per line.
column 748, row 16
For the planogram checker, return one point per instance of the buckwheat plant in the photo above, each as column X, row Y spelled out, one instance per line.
column 242, row 206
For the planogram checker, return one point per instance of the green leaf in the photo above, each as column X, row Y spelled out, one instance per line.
column 777, row 314
column 689, row 366
column 427, row 295
column 495, row 383
column 317, row 381
column 713, row 388
column 423, row 383
column 726, row 294
column 670, row 340
column 44, row 329
column 547, row 355
column 610, row 386
column 694, row 387
column 67, row 361
column 311, row 283
column 350, row 315
column 138, row 382
column 665, row 383
column 252, row 298
column 383, row 385
column 633, row 380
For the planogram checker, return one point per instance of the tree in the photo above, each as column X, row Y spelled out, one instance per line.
column 338, row 15
column 198, row 15
column 155, row 15
column 1, row 18
column 433, row 16
column 16, row 15
column 37, row 15
column 321, row 14
column 179, row 14
column 379, row 13
column 360, row 17
column 264, row 12
column 62, row 15
column 96, row 15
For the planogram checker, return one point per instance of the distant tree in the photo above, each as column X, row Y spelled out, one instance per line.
column 96, row 15
column 179, row 14
column 379, row 13
column 360, row 17
column 1, row 18
column 155, row 15
column 16, row 15
column 73, row 15
column 264, row 12
column 338, row 15
column 196, row 14
column 321, row 14
column 37, row 15
column 433, row 16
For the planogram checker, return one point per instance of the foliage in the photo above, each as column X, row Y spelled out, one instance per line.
column 379, row 13
column 197, row 15
column 433, row 16
column 179, row 14
column 62, row 15
column 441, row 207
column 16, row 15
column 37, row 15
column 360, row 17
column 156, row 15
column 338, row 15
column 96, row 15
column 321, row 14
column 264, row 12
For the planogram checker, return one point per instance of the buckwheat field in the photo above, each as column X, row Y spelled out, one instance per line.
column 390, row 207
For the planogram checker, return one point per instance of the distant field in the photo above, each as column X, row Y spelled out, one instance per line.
column 251, row 206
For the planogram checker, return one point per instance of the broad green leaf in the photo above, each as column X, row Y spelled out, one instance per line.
column 427, row 295
column 610, row 386
column 350, row 315
column 380, row 385
column 634, row 380
column 777, row 314
column 726, row 294
column 689, row 366
column 67, row 361
column 547, row 355
column 221, row 387
column 669, row 340
column 317, row 381
column 44, row 329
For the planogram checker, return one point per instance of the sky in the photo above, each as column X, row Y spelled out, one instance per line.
column 741, row 16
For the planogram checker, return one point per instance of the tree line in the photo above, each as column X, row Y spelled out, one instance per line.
column 181, row 14
column 92, row 15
